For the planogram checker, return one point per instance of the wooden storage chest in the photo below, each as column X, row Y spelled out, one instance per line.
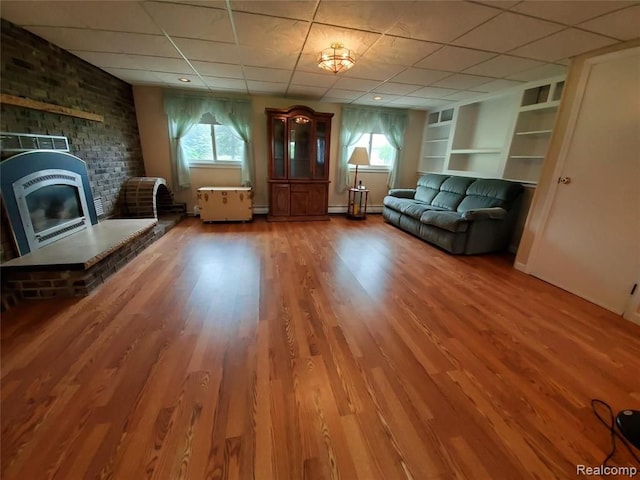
column 220, row 204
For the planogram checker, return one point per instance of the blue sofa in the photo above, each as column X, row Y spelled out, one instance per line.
column 462, row 215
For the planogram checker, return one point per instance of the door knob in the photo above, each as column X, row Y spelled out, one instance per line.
column 564, row 180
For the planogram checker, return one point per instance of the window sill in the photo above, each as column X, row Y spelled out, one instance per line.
column 228, row 165
column 370, row 169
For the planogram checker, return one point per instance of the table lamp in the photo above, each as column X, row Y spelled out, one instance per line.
column 360, row 156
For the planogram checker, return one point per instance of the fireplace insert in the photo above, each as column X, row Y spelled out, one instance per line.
column 47, row 197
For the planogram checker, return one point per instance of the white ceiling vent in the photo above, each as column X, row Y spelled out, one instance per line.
column 24, row 142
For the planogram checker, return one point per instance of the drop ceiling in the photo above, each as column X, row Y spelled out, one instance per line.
column 421, row 54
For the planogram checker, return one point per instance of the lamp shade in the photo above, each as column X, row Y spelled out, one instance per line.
column 360, row 156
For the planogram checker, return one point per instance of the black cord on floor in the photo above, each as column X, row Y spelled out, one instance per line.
column 611, row 426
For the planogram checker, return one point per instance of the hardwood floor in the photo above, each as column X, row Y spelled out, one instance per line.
column 312, row 350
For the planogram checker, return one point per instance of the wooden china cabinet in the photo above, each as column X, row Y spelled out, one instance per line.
column 299, row 143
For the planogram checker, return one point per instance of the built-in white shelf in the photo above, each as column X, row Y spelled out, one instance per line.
column 542, row 106
column 465, row 151
column 502, row 135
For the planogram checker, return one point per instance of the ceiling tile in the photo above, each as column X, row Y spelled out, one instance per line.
column 406, row 102
column 423, row 103
column 507, row 31
column 376, row 17
column 433, row 92
column 110, row 42
column 300, row 91
column 454, row 59
column 313, row 79
column 624, row 24
column 420, row 76
column 400, row 51
column 569, row 13
column 145, row 77
column 265, row 57
column 356, row 84
column 267, row 74
column 503, row 65
column 439, row 21
column 373, row 70
column 343, row 94
column 397, row 88
column 172, row 79
column 270, row 32
column 267, row 87
column 461, row 96
column 127, row 17
column 135, row 62
column 539, row 73
column 300, row 9
column 215, row 52
column 226, row 83
column 370, row 99
column 568, row 43
column 192, row 22
column 218, row 69
column 335, row 100
column 497, row 85
column 322, row 36
column 135, row 76
column 462, row 81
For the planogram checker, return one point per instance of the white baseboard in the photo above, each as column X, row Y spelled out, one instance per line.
column 343, row 209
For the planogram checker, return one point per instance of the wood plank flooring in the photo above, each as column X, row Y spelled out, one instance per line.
column 317, row 350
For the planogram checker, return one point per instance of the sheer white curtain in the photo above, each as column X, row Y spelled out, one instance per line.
column 357, row 121
column 183, row 112
column 392, row 126
column 235, row 113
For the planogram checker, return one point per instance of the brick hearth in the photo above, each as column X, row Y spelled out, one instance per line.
column 76, row 265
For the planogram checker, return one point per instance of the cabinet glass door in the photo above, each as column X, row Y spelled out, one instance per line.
column 279, row 148
column 300, row 147
column 321, row 150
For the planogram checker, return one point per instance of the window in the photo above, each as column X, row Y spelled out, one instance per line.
column 212, row 143
column 381, row 153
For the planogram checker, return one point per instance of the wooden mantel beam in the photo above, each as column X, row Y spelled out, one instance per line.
column 48, row 107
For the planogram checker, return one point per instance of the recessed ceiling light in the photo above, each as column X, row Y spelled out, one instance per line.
column 377, row 97
column 185, row 80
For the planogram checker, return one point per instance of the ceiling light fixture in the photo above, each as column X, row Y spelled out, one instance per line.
column 336, row 58
column 377, row 97
column 185, row 80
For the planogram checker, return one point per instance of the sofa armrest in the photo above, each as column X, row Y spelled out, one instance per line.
column 494, row 213
column 402, row 192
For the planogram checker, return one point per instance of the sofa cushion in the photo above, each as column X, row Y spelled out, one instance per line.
column 429, row 186
column 416, row 209
column 494, row 213
column 397, row 203
column 451, row 221
column 488, row 193
column 402, row 192
column 452, row 191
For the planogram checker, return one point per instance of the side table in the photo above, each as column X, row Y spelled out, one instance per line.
column 357, row 208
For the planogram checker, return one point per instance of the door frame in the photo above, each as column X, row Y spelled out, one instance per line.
column 572, row 122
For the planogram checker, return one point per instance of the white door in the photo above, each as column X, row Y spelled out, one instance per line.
column 590, row 244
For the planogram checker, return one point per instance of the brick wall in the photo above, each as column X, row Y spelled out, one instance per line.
column 34, row 68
